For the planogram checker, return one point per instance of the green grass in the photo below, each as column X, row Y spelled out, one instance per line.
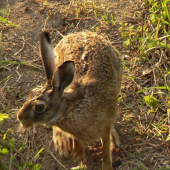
column 153, row 32
column 149, row 42
column 4, row 17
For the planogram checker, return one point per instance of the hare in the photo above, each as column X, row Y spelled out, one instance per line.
column 79, row 100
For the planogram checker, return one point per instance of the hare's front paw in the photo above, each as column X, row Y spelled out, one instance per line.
column 78, row 151
column 63, row 142
column 66, row 145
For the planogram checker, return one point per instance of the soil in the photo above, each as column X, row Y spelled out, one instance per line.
column 25, row 71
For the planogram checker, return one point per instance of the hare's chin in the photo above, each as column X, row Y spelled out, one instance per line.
column 26, row 124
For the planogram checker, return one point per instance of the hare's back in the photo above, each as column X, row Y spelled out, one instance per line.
column 96, row 61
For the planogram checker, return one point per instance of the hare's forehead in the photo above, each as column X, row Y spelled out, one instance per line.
column 38, row 95
column 35, row 93
column 31, row 103
column 36, row 101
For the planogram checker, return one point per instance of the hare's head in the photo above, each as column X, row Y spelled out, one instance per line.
column 41, row 103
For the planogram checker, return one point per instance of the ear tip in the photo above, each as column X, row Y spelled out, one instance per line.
column 68, row 62
column 73, row 63
column 46, row 35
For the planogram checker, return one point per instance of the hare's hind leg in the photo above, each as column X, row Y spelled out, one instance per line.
column 66, row 145
column 107, row 160
column 115, row 142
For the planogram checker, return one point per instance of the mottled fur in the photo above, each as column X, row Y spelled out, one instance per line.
column 80, row 96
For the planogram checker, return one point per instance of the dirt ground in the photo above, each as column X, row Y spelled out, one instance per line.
column 21, row 44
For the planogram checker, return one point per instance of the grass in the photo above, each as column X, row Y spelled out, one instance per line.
column 4, row 22
column 1, row 50
column 148, row 39
column 8, row 142
column 81, row 167
column 4, row 17
column 145, row 96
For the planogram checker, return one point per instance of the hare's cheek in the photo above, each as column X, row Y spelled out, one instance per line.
column 39, row 117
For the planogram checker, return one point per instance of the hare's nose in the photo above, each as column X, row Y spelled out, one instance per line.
column 25, row 119
column 21, row 116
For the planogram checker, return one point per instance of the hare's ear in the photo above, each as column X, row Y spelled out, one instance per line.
column 63, row 76
column 47, row 56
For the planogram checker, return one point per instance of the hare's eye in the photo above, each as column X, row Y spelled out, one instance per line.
column 40, row 107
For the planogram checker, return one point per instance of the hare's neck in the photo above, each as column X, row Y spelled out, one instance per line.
column 66, row 110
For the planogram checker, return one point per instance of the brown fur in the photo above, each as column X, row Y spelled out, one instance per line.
column 86, row 109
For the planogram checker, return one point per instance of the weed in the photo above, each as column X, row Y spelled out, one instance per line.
column 1, row 49
column 150, row 40
column 151, row 34
column 81, row 167
column 3, row 116
column 4, row 14
column 8, row 147
column 92, row 9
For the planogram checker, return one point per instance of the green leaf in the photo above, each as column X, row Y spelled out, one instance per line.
column 95, row 13
column 168, row 138
column 3, row 116
column 34, row 167
column 37, row 167
column 160, row 87
column 111, row 16
column 103, row 17
column 126, row 43
column 151, row 101
column 5, row 79
column 4, row 151
column 30, row 164
column 39, row 152
column 11, row 144
column 23, row 63
column 142, row 166
column 129, row 77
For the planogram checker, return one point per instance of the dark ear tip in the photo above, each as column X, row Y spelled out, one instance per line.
column 67, row 63
column 45, row 35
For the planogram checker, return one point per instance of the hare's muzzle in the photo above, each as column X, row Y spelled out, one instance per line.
column 25, row 120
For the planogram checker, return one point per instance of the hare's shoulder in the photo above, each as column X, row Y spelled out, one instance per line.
column 94, row 57
column 84, row 48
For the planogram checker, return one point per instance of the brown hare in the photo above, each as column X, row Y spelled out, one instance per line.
column 80, row 97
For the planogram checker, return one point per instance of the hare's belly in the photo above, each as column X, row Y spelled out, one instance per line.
column 87, row 130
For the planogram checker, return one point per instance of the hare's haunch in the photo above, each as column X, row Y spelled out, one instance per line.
column 80, row 97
